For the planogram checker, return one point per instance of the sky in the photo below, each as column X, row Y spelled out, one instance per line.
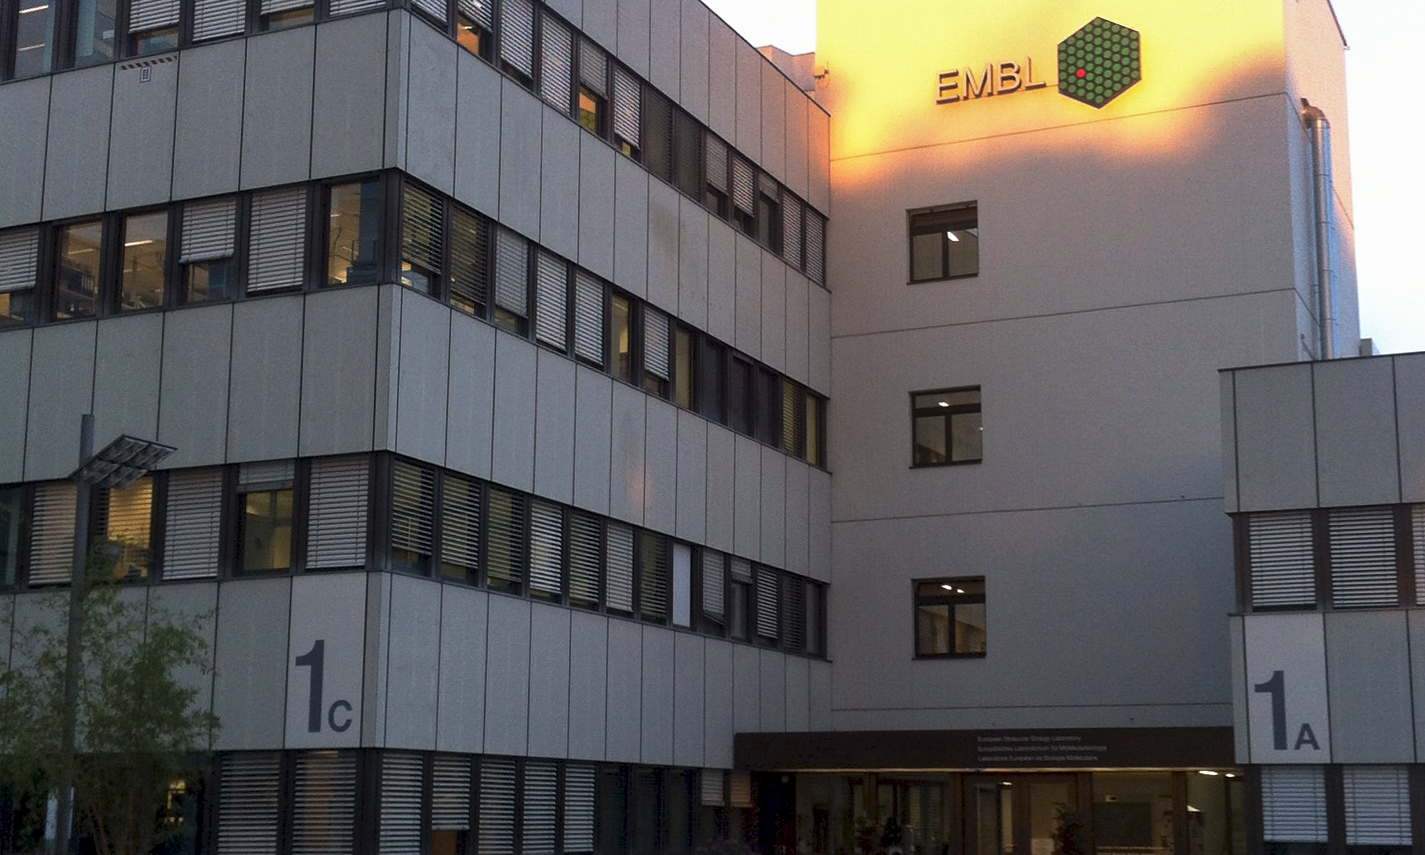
column 1387, row 162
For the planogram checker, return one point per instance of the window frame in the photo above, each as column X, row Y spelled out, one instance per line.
column 951, row 600
column 947, row 411
column 933, row 222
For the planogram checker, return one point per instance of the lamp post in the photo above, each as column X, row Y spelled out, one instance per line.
column 116, row 465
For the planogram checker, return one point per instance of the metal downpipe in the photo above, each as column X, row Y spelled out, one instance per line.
column 1323, row 193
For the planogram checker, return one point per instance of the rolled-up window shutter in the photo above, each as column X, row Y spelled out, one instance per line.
column 277, row 249
column 741, row 790
column 541, row 807
column 1363, row 557
column 324, row 809
column 337, row 502
column 593, row 68
column 1293, row 804
column 619, row 567
column 248, row 804
column 546, row 554
column 19, row 259
column 556, row 69
column 517, row 34
column 578, row 809
column 208, row 230
column 434, row 8
column 584, row 559
column 52, row 534
column 744, row 186
column 713, row 787
column 628, row 106
column 266, row 475
column 766, row 602
column 794, row 612
column 551, row 290
column 349, row 7
column 213, row 19
column 479, row 11
column 655, row 342
column 716, row 163
column 1377, row 805
column 152, row 14
column 450, row 793
column 412, row 508
column 505, row 560
column 193, row 533
column 469, row 260
column 653, row 577
column 497, row 806
column 402, row 785
column 512, row 272
column 792, row 231
column 815, row 247
column 588, row 317
column 459, row 525
column 268, row 7
column 422, row 228
column 1281, row 559
column 714, row 583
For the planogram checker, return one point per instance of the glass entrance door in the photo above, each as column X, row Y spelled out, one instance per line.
column 1015, row 814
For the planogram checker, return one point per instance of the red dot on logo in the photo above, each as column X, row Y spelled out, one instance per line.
column 1082, row 72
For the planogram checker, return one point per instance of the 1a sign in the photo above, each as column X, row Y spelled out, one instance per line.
column 1288, row 717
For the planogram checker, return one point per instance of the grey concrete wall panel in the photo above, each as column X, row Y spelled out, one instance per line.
column 371, row 712
column 15, row 392
column 660, row 490
column 631, row 227
column 795, row 124
column 571, row 10
column 558, row 212
column 141, row 134
column 688, row 699
column 748, row 338
column 819, row 338
column 196, row 607
column 277, row 109
column 460, row 723
column 412, row 673
column 588, row 684
column 1241, row 730
column 601, row 21
column 32, row 612
column 398, row 81
column 694, row 60
column 1276, row 452
column 1415, row 627
column 798, row 311
column 596, row 205
column 692, row 498
column 265, row 392
column 1355, row 432
column 193, row 403
column 774, row 122
column 74, row 153
column 7, row 626
column 722, row 281
column 555, row 408
column 470, row 404
column 818, row 158
column 507, row 650
column 747, row 497
column 624, row 729
column 126, row 365
column 819, row 525
column 773, row 507
column 513, row 448
column 23, row 135
column 207, row 140
column 798, row 682
column 348, row 131
column 819, row 695
column 521, row 133
column 1369, row 687
column 774, row 312
column 663, row 245
column 749, row 99
column 626, row 460
column 250, row 652
column 477, row 132
column 423, row 381
column 797, row 523
column 718, row 708
column 665, row 61
column 388, row 366
column 593, row 419
column 1410, row 419
column 339, row 371
column 1229, row 440
column 549, row 658
column 773, row 696
column 633, row 35
column 693, row 263
column 62, row 382
column 721, row 487
column 430, row 123
column 658, row 695
column 746, row 688
column 722, row 80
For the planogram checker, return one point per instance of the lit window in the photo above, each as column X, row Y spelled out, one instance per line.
column 950, row 617
column 945, row 242
column 947, row 427
column 353, row 233
column 145, row 261
column 77, row 288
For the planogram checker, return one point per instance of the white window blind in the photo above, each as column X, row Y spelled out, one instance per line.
column 628, row 109
column 794, row 611
column 713, row 787
column 593, row 68
column 505, row 560
column 556, row 82
column 497, row 806
column 1362, row 557
column 1293, row 804
column 653, row 577
column 422, row 228
column 402, row 783
column 682, row 584
column 460, row 524
column 351, row 7
column 479, row 11
column 588, row 317
column 517, row 34
column 248, row 809
column 19, row 259
column 52, row 534
column 551, row 289
column 578, row 809
column 450, row 793
column 511, row 272
column 336, row 527
column 1377, row 805
column 214, row 19
column 744, row 186
column 1417, row 537
column 792, row 231
column 714, row 583
column 193, row 533
column 412, row 508
column 584, row 563
column 324, row 809
column 541, row 807
column 270, row 6
column 208, row 230
column 619, row 564
column 278, row 240
column 740, row 795
column 469, row 260
column 766, row 602
column 546, row 554
column 715, row 155
column 815, row 250
column 1281, row 559
column 655, row 342
column 434, row 8
column 152, row 14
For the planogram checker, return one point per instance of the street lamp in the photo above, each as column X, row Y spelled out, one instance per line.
column 117, row 465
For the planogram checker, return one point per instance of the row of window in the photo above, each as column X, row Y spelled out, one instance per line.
column 1302, row 806
column 523, row 39
column 388, row 513
column 1339, row 558
column 335, row 233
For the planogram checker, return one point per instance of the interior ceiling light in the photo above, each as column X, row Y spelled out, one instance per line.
column 951, row 235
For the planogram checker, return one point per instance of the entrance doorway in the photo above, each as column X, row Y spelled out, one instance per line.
column 1015, row 814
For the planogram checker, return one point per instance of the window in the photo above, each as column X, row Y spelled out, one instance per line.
column 153, row 26
column 207, row 250
column 628, row 110
column 546, row 551
column 716, row 190
column 422, row 235
column 33, row 28
column 714, row 567
column 470, row 262
column 276, row 14
column 950, row 617
column 517, row 39
column 336, row 518
column 265, row 517
column 474, row 19
column 944, row 242
column 593, row 88
column 353, row 233
column 947, row 427
column 658, row 134
column 19, row 268
column 588, row 318
column 412, row 517
column 744, row 196
column 585, row 559
column 688, row 151
column 145, row 260
column 459, row 529
column 656, row 371
column 125, row 519
column 506, row 539
column 51, row 555
column 193, row 527
column 739, row 599
column 621, row 338
column 277, row 249
column 96, row 22
column 77, row 285
column 551, row 300
column 556, row 70
column 684, row 366
column 816, row 417
column 653, row 577
column 511, row 281
column 214, row 19
column 769, row 214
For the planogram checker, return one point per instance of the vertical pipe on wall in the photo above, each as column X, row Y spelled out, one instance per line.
column 1323, row 197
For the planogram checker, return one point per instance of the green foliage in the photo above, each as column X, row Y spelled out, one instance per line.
column 138, row 723
column 1070, row 835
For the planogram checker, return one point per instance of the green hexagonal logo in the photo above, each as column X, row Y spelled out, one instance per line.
column 1099, row 62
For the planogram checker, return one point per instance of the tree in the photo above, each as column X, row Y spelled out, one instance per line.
column 137, row 721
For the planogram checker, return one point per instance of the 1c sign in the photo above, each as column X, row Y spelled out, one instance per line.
column 325, row 655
